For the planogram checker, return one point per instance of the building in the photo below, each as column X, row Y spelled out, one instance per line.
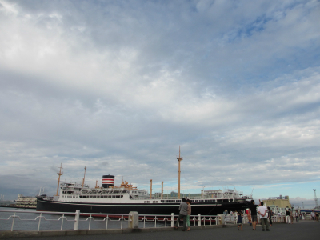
column 278, row 205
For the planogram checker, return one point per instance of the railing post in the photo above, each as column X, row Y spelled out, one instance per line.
column 14, row 216
column 62, row 221
column 107, row 217
column 90, row 222
column 39, row 221
column 199, row 220
column 76, row 220
column 172, row 219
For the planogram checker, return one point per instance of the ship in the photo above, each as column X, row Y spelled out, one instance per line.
column 25, row 202
column 110, row 199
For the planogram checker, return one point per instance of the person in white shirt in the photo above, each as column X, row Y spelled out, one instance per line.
column 312, row 215
column 262, row 210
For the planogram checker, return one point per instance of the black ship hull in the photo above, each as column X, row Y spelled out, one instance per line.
column 203, row 208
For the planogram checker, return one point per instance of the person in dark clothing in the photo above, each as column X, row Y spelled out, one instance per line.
column 287, row 215
column 270, row 215
column 239, row 219
column 182, row 214
column 253, row 211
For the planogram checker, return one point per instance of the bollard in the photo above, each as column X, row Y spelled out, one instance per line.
column 172, row 219
column 221, row 219
column 76, row 220
column 199, row 220
column 133, row 220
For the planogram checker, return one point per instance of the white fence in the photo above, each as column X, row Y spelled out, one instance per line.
column 63, row 217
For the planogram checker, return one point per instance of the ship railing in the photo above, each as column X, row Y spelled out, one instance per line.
column 63, row 217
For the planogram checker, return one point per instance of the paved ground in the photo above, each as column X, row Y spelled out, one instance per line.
column 296, row 231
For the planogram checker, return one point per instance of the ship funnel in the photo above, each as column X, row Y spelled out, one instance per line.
column 107, row 181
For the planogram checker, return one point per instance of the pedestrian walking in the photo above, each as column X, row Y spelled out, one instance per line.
column 240, row 219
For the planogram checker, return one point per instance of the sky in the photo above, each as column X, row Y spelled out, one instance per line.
column 118, row 86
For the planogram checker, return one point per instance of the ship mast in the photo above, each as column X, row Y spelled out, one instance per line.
column 179, row 172
column 84, row 177
column 162, row 191
column 59, row 174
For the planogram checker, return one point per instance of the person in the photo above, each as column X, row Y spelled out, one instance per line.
column 253, row 211
column 287, row 215
column 249, row 216
column 239, row 219
column 291, row 216
column 188, row 214
column 182, row 215
column 270, row 213
column 312, row 215
column 297, row 216
column 317, row 217
column 262, row 210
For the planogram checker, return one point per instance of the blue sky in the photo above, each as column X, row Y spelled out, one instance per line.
column 118, row 86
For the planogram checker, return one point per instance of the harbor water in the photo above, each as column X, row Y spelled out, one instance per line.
column 30, row 221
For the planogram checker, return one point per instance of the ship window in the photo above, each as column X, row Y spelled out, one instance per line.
column 162, row 200
column 178, row 200
column 155, row 201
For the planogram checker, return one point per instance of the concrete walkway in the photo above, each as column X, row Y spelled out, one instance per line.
column 297, row 231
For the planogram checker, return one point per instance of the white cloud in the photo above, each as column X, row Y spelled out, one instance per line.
column 235, row 84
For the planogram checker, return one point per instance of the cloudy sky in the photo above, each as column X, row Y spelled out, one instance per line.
column 118, row 86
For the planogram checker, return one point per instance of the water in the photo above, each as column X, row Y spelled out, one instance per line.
column 29, row 221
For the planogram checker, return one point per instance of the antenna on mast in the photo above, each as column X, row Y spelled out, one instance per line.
column 179, row 172
column 59, row 174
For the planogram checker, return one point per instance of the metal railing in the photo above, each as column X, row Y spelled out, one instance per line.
column 74, row 217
